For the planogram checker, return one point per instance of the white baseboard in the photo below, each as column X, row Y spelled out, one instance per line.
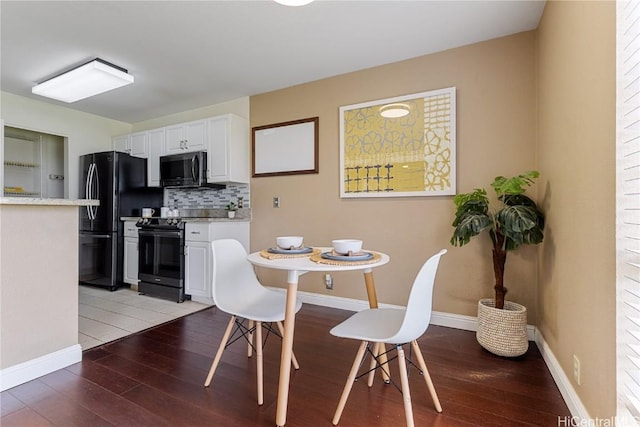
column 35, row 368
column 469, row 323
column 457, row 321
column 202, row 300
column 569, row 394
column 43, row 365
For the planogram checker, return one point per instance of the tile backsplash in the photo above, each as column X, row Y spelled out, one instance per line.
column 207, row 198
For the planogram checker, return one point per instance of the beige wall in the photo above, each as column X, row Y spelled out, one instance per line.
column 542, row 99
column 238, row 106
column 38, row 281
column 576, row 95
column 495, row 83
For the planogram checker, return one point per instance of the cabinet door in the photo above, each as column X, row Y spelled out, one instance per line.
column 130, row 260
column 174, row 139
column 156, row 149
column 195, row 134
column 228, row 159
column 186, row 137
column 130, row 229
column 218, row 155
column 121, row 143
column 197, row 277
column 138, row 144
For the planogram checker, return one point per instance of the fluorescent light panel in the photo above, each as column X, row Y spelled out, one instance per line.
column 83, row 82
column 293, row 2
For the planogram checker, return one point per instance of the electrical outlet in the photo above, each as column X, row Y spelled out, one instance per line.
column 328, row 281
column 276, row 202
column 576, row 369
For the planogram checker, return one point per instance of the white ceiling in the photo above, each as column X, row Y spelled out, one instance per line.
column 190, row 54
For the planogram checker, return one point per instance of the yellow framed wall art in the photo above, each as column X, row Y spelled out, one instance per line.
column 398, row 147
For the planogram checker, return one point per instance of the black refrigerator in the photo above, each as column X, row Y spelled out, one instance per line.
column 119, row 181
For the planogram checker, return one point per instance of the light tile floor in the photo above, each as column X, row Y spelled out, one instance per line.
column 105, row 316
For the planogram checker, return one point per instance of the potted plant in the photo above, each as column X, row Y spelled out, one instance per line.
column 515, row 222
column 231, row 210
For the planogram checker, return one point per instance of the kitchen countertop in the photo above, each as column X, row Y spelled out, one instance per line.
column 47, row 202
column 221, row 219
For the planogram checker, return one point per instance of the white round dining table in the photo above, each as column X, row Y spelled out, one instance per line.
column 295, row 267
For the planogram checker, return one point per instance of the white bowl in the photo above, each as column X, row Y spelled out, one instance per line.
column 346, row 246
column 289, row 242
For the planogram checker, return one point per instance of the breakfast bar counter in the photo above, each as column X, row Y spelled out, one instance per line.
column 34, row 201
column 38, row 287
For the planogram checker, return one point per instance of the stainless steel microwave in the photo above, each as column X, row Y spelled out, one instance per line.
column 184, row 170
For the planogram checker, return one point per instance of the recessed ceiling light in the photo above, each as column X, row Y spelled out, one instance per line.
column 87, row 80
column 394, row 111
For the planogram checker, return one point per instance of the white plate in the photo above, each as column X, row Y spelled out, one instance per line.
column 360, row 257
column 304, row 250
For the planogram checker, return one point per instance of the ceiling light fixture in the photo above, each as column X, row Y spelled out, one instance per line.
column 394, row 111
column 293, row 2
column 87, row 80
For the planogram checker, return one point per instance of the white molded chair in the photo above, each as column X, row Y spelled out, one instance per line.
column 237, row 291
column 393, row 326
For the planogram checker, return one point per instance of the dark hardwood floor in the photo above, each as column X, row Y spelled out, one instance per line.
column 155, row 378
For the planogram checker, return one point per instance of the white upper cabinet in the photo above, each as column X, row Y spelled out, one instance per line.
column 135, row 144
column 228, row 149
column 225, row 138
column 156, row 149
column 139, row 145
column 186, row 137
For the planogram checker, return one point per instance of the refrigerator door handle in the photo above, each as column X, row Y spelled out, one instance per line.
column 87, row 190
column 96, row 186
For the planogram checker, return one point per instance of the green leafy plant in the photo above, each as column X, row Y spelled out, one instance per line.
column 231, row 206
column 517, row 221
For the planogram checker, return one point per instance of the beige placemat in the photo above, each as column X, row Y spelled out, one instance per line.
column 318, row 258
column 268, row 255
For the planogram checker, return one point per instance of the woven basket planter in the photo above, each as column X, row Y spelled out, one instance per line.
column 502, row 332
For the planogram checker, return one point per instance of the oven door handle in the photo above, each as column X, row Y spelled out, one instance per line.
column 163, row 233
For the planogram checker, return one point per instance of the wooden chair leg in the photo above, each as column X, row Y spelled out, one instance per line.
column 372, row 366
column 382, row 351
column 427, row 377
column 223, row 343
column 404, row 380
column 250, row 339
column 349, row 384
column 259, row 362
column 294, row 361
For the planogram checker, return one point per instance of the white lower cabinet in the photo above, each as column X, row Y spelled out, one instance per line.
column 198, row 275
column 130, row 266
